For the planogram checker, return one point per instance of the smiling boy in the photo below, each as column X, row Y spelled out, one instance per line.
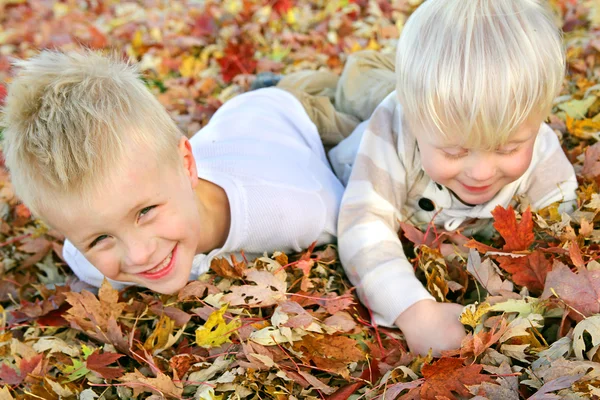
column 93, row 153
column 462, row 133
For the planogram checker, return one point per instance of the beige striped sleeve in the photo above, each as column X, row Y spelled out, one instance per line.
column 552, row 177
column 368, row 224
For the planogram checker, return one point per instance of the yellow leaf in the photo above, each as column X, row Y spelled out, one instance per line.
column 373, row 45
column 473, row 313
column 584, row 129
column 137, row 40
column 161, row 333
column 216, row 331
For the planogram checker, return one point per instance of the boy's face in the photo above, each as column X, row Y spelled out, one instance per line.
column 476, row 176
column 147, row 224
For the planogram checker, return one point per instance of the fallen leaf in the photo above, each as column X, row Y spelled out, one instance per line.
column 215, row 330
column 580, row 291
column 448, row 375
column 517, row 236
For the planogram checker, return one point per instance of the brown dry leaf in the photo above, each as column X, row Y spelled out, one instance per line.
column 224, row 268
column 162, row 384
column 88, row 311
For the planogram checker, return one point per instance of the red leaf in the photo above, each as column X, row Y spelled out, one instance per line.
column 205, row 25
column 98, row 363
column 282, row 6
column 3, row 93
column 238, row 59
column 9, row 376
column 449, row 375
column 517, row 236
column 530, row 270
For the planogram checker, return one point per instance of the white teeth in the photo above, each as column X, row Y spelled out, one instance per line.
column 162, row 265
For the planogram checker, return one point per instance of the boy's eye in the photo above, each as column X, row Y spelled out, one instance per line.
column 455, row 152
column 146, row 210
column 505, row 150
column 98, row 240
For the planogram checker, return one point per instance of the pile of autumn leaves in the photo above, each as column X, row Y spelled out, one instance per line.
column 288, row 328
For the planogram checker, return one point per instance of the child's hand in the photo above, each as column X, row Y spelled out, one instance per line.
column 429, row 324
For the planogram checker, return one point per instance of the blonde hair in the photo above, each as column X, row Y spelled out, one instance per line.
column 478, row 68
column 70, row 118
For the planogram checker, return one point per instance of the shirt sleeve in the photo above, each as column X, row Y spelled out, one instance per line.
column 552, row 178
column 83, row 269
column 369, row 247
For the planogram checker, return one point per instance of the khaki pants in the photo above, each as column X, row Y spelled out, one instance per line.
column 336, row 105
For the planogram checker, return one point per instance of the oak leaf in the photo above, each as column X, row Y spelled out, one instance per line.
column 517, row 236
column 162, row 384
column 448, row 375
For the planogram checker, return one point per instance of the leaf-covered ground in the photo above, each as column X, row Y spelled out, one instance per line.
column 289, row 326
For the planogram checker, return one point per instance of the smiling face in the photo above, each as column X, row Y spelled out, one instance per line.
column 148, row 221
column 474, row 175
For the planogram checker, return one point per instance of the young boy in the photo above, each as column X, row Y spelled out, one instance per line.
column 93, row 153
column 462, row 133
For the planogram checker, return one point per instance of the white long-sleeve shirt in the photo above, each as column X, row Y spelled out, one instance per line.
column 385, row 186
column 264, row 151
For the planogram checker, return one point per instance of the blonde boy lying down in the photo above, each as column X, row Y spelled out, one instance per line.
column 93, row 153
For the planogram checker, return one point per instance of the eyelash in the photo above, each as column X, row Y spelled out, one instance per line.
column 142, row 212
column 457, row 156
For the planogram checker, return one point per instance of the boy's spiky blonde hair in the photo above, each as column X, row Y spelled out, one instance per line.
column 475, row 70
column 69, row 119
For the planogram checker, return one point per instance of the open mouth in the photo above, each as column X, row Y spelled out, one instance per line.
column 162, row 269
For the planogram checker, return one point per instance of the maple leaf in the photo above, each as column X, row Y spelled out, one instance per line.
column 449, row 375
column 591, row 164
column 282, row 6
column 98, row 363
column 333, row 353
column 88, row 311
column 162, row 384
column 269, row 290
column 216, row 331
column 580, row 291
column 222, row 267
column 11, row 377
column 238, row 58
column 529, row 270
column 517, row 236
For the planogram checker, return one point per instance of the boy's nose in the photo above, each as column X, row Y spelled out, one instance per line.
column 138, row 253
column 482, row 169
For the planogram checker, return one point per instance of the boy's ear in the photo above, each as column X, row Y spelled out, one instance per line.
column 188, row 160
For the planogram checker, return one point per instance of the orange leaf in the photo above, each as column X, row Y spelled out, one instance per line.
column 575, row 254
column 449, row 375
column 517, row 236
column 530, row 270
